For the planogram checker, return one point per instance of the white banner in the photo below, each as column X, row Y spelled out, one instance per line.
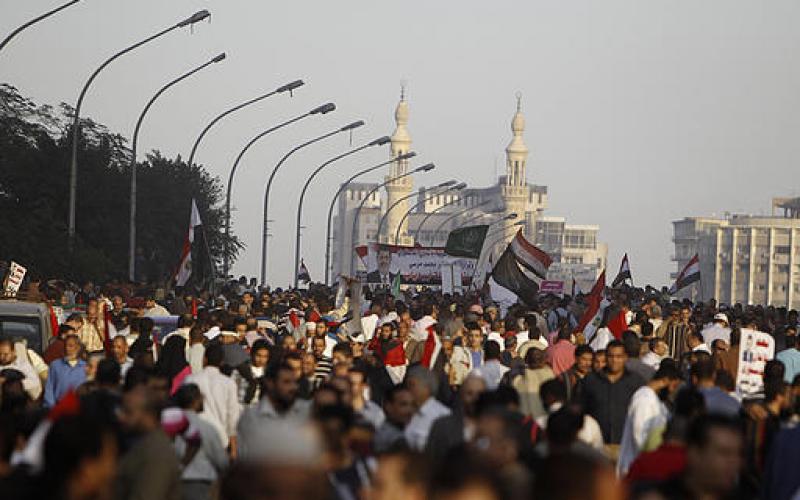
column 16, row 274
column 755, row 349
column 416, row 265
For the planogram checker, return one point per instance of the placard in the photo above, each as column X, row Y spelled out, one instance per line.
column 16, row 274
column 755, row 349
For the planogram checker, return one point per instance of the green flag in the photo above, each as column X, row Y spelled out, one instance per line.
column 396, row 287
column 466, row 241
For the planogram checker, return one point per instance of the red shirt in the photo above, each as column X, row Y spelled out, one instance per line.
column 561, row 356
column 666, row 462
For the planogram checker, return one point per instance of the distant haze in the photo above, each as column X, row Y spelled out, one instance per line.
column 638, row 113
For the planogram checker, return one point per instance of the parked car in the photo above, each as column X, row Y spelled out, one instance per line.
column 28, row 321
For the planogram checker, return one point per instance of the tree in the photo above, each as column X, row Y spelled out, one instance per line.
column 34, row 180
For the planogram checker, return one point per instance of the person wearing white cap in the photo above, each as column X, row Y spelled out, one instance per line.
column 717, row 330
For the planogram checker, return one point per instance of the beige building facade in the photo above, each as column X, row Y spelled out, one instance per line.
column 744, row 259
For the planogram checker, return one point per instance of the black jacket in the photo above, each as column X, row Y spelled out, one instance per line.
column 608, row 403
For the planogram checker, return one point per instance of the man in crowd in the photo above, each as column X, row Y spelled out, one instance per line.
column 66, row 373
column 119, row 350
column 220, row 399
column 9, row 360
column 647, row 412
column 606, row 395
column 423, row 385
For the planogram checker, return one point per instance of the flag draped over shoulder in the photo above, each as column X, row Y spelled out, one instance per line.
column 594, row 313
column 184, row 271
column 687, row 276
column 623, row 274
column 466, row 241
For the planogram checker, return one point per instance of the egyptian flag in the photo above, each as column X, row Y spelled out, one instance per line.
column 687, row 276
column 302, row 273
column 594, row 312
column 432, row 347
column 184, row 271
column 624, row 273
column 507, row 273
column 530, row 257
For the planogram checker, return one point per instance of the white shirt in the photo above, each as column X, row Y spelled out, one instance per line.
column 716, row 331
column 652, row 360
column 31, row 383
column 220, row 400
column 417, row 430
column 702, row 348
column 601, row 339
column 590, row 432
column 645, row 413
column 156, row 310
column 211, row 459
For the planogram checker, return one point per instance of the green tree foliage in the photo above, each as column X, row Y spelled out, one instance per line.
column 34, row 196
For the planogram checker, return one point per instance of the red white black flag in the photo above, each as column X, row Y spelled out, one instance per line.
column 689, row 274
column 530, row 257
column 624, row 273
column 185, row 269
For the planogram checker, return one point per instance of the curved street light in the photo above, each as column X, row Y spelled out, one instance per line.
column 445, row 184
column 357, row 215
column 320, row 110
column 432, row 212
column 377, row 142
column 34, row 21
column 265, row 228
column 458, row 187
column 289, row 87
column 76, row 122
column 342, row 187
column 134, row 143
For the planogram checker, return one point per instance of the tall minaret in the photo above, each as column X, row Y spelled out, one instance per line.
column 515, row 189
column 401, row 143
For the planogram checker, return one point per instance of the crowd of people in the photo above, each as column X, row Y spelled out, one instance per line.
column 353, row 392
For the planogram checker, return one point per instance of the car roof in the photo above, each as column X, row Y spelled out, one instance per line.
column 22, row 308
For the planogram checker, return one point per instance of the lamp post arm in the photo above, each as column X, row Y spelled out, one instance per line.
column 134, row 144
column 265, row 228
column 34, row 21
column 333, row 204
column 290, row 86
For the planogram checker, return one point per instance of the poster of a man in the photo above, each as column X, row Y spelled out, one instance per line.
column 382, row 275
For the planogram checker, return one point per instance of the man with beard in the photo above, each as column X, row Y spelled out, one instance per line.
column 278, row 402
column 150, row 468
column 646, row 412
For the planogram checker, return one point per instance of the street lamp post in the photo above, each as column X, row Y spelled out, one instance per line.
column 34, row 21
column 357, row 215
column 458, row 187
column 445, row 184
column 342, row 187
column 73, row 172
column 325, row 108
column 134, row 143
column 377, row 142
column 265, row 228
column 422, row 224
column 289, row 87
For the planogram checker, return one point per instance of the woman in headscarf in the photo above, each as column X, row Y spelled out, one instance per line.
column 172, row 362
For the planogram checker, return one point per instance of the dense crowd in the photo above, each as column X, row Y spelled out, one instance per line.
column 354, row 392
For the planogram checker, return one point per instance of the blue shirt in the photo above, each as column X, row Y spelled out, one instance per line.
column 61, row 378
column 791, row 360
column 476, row 358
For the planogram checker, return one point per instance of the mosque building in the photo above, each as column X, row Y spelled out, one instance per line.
column 508, row 206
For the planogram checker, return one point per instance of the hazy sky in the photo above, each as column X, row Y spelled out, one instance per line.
column 638, row 112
